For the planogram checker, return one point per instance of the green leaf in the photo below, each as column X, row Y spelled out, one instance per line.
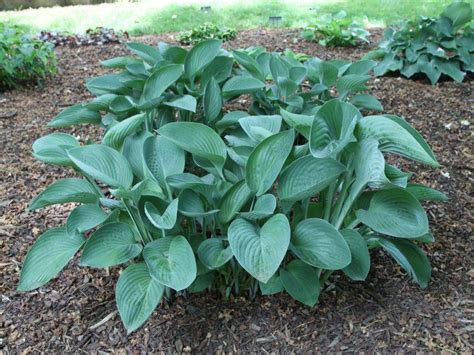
column 425, row 193
column 459, row 12
column 149, row 54
column 122, row 104
column 266, row 160
column 192, row 205
column 395, row 135
column 351, row 83
column 167, row 220
column 219, row 69
column 107, row 84
column 272, row 286
column 50, row 253
column 112, row 244
column 410, row 257
column 171, row 262
column 213, row 253
column 233, row 200
column 254, row 125
column 264, row 207
column 366, row 101
column 116, row 135
column 137, row 295
column 77, row 114
column 200, row 56
column 301, row 281
column 163, row 158
column 239, row 85
column 301, row 123
column 133, row 152
column 52, row 149
column 185, row 102
column 318, row 243
column 250, row 64
column 307, row 176
column 197, row 139
column 260, row 251
column 65, row 190
column 359, row 267
column 84, row 218
column 332, row 129
column 103, row 163
column 158, row 82
column 395, row 212
column 212, row 100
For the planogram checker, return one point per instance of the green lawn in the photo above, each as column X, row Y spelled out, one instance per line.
column 149, row 16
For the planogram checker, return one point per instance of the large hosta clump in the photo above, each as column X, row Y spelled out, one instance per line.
column 186, row 197
column 430, row 46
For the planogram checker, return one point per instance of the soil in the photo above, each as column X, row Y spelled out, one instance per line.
column 387, row 313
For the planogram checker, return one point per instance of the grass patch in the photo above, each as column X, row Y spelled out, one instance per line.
column 146, row 17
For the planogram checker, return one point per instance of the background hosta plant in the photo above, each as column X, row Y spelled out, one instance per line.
column 204, row 32
column 23, row 59
column 335, row 30
column 432, row 47
column 237, row 202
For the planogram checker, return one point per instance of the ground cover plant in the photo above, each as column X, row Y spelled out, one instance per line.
column 232, row 201
column 23, row 59
column 206, row 31
column 430, row 46
column 334, row 30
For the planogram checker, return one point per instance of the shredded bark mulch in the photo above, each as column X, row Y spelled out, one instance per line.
column 76, row 311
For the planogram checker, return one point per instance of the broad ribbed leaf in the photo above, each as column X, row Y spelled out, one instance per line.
column 395, row 212
column 301, row 281
column 266, row 161
column 213, row 253
column 171, row 262
column 264, row 207
column 85, row 217
column 200, row 56
column 104, row 164
column 137, row 295
column 351, row 83
column 366, row 101
column 301, row 123
column 239, row 85
column 163, row 158
column 65, row 190
column 220, row 69
column 233, row 201
column 250, row 64
column 133, row 152
column 77, row 114
column 52, row 149
column 360, row 67
column 112, row 244
column 185, row 102
column 369, row 166
column 192, row 205
column 101, row 103
column 253, row 125
column 167, row 220
column 425, row 193
column 272, row 286
column 260, row 251
column 333, row 128
column 307, row 176
column 359, row 267
column 459, row 13
column 395, row 135
column 149, row 54
column 116, row 135
column 319, row 244
column 158, row 82
column 106, row 84
column 410, row 257
column 50, row 253
column 122, row 104
column 197, row 139
column 212, row 100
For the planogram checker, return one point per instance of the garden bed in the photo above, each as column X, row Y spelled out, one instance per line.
column 386, row 313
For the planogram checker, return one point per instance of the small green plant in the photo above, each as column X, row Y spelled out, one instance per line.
column 335, row 30
column 433, row 47
column 186, row 197
column 204, row 32
column 23, row 59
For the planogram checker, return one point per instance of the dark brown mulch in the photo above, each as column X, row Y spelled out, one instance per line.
column 386, row 313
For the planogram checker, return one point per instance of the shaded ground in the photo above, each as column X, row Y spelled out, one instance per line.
column 386, row 313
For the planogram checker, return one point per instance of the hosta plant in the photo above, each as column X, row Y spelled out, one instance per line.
column 205, row 32
column 431, row 47
column 236, row 202
column 335, row 30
